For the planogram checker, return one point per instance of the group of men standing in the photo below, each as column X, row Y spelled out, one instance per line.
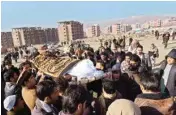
column 166, row 36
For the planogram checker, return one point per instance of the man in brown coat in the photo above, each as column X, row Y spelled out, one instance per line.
column 28, row 82
column 152, row 101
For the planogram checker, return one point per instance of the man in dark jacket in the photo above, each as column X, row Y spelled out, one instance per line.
column 119, row 52
column 152, row 101
column 76, row 101
column 132, row 77
column 21, row 53
column 8, row 56
column 15, row 56
column 108, row 95
column 106, row 62
column 4, row 68
column 166, row 37
column 7, row 65
column 145, row 59
column 157, row 34
column 168, row 82
column 10, row 77
column 107, row 47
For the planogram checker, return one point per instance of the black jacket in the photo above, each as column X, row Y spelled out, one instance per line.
column 171, row 83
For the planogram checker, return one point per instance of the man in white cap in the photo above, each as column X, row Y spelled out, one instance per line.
column 123, row 107
column 14, row 105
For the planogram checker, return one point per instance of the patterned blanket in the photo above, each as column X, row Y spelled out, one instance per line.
column 54, row 66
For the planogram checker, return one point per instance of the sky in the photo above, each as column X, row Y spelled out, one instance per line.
column 47, row 14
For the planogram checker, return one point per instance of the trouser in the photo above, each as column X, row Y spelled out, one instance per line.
column 21, row 55
column 15, row 60
column 165, row 43
column 173, row 37
column 157, row 37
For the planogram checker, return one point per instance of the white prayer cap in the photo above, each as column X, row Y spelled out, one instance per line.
column 9, row 102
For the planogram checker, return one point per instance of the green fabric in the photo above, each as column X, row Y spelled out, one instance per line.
column 162, row 86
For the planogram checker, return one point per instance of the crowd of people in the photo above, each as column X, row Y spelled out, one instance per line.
column 165, row 37
column 131, row 85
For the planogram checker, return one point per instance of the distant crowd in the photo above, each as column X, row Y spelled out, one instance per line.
column 132, row 84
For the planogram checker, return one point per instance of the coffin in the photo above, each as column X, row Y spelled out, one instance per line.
column 52, row 66
column 83, row 70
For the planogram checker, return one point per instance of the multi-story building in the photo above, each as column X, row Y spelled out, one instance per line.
column 85, row 35
column 70, row 30
column 136, row 26
column 34, row 35
column 156, row 23
column 126, row 28
column 146, row 25
column 51, row 35
column 28, row 36
column 169, row 22
column 93, row 31
column 116, row 28
column 107, row 30
column 6, row 40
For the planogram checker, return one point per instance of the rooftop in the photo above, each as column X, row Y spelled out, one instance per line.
column 28, row 28
column 68, row 22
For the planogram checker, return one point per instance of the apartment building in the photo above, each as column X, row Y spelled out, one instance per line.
column 34, row 35
column 116, row 28
column 93, row 31
column 70, row 30
column 6, row 40
column 28, row 36
column 156, row 23
column 136, row 26
column 51, row 35
column 126, row 28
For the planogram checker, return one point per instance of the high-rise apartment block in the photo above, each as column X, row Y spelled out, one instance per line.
column 107, row 30
column 33, row 35
column 156, row 23
column 51, row 35
column 116, row 28
column 27, row 36
column 6, row 40
column 70, row 30
column 126, row 28
column 136, row 26
column 146, row 25
column 93, row 31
